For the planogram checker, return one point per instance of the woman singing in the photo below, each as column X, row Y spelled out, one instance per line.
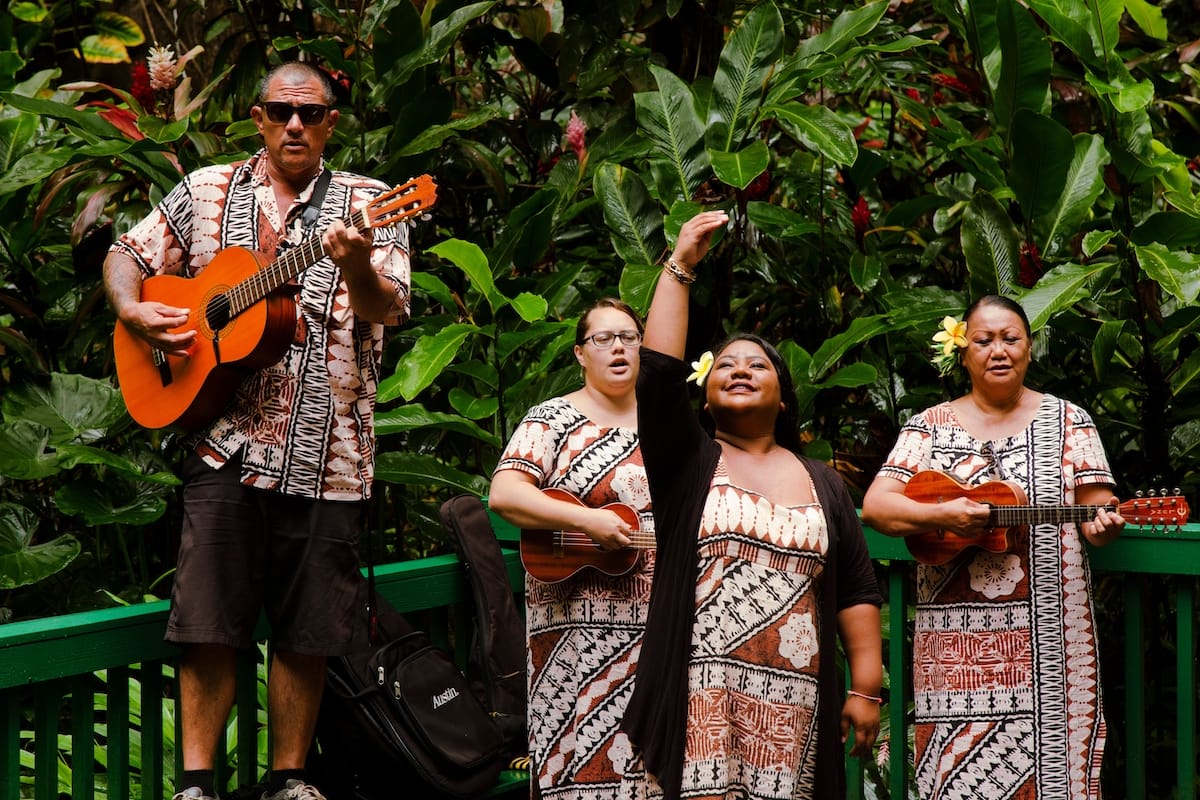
column 761, row 563
column 584, row 632
column 1006, row 666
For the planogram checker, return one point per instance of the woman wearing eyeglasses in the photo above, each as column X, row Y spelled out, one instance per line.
column 584, row 622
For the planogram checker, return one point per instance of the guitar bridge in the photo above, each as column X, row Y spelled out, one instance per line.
column 163, row 366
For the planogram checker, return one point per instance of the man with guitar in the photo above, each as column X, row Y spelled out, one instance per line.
column 1006, row 659
column 280, row 465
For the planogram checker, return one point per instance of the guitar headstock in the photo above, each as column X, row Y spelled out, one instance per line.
column 1155, row 509
column 406, row 200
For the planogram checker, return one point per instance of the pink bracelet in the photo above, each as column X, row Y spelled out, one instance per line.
column 865, row 696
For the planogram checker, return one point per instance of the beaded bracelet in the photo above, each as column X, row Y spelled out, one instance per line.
column 865, row 696
column 679, row 273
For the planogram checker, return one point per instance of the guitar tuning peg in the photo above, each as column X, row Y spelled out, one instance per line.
column 1176, row 490
column 1138, row 494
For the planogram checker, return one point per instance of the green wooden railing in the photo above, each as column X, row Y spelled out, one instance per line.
column 61, row 676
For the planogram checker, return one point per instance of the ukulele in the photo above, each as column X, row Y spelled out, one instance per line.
column 1010, row 511
column 554, row 556
column 244, row 318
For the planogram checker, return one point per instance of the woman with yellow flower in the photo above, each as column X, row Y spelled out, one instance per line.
column 584, row 632
column 761, row 563
column 1006, row 665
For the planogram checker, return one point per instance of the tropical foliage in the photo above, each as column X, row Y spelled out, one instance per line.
column 883, row 163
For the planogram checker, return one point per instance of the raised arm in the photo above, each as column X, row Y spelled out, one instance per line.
column 667, row 321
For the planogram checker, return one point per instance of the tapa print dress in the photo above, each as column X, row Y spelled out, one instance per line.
column 1006, row 665
column 753, row 677
column 584, row 633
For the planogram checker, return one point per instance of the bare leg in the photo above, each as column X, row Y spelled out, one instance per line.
column 293, row 699
column 207, row 683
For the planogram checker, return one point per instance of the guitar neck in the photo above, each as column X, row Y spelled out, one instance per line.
column 1011, row 516
column 288, row 265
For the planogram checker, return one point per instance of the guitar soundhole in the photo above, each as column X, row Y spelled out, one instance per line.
column 216, row 312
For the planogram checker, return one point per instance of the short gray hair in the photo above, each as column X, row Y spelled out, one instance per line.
column 297, row 70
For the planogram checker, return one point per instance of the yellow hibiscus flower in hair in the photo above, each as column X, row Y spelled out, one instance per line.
column 947, row 342
column 700, row 368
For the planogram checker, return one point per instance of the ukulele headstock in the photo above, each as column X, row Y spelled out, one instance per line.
column 410, row 198
column 1156, row 509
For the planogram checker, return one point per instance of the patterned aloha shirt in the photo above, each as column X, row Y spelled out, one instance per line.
column 304, row 426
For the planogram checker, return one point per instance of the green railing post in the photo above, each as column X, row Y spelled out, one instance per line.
column 10, row 744
column 83, row 729
column 1135, row 683
column 117, row 746
column 900, row 675
column 1185, row 726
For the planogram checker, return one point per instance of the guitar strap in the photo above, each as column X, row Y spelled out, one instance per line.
column 312, row 211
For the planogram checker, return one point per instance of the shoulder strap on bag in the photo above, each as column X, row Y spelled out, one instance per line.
column 498, row 649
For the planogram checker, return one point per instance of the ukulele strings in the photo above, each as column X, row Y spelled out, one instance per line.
column 573, row 538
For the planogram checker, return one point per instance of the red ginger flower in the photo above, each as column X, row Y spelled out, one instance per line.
column 577, row 136
column 140, row 85
column 860, row 215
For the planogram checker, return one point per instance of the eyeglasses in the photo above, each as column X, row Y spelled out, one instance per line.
column 281, row 113
column 604, row 339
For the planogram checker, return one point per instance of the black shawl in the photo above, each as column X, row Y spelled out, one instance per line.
column 680, row 459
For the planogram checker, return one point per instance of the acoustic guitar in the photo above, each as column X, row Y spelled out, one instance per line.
column 1010, row 512
column 554, row 556
column 244, row 317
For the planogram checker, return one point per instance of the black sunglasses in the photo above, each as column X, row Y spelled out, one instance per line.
column 281, row 113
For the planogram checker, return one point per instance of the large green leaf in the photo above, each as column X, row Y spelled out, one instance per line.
column 782, row 223
column 1148, row 17
column 1104, row 346
column 1059, row 289
column 442, row 37
column 432, row 137
column 1024, row 66
column 23, row 563
column 120, row 27
column 1089, row 28
column 637, row 285
column 634, row 219
column 740, row 168
column 16, row 135
column 32, row 169
column 95, row 504
column 72, row 455
column 1176, row 271
column 416, row 469
column 24, row 451
column 861, row 330
column 414, row 416
column 817, row 128
column 737, row 88
column 421, row 365
column 668, row 118
column 74, row 408
column 844, row 30
column 98, row 49
column 991, row 246
column 1041, row 155
column 850, row 376
column 1082, row 186
column 468, row 257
